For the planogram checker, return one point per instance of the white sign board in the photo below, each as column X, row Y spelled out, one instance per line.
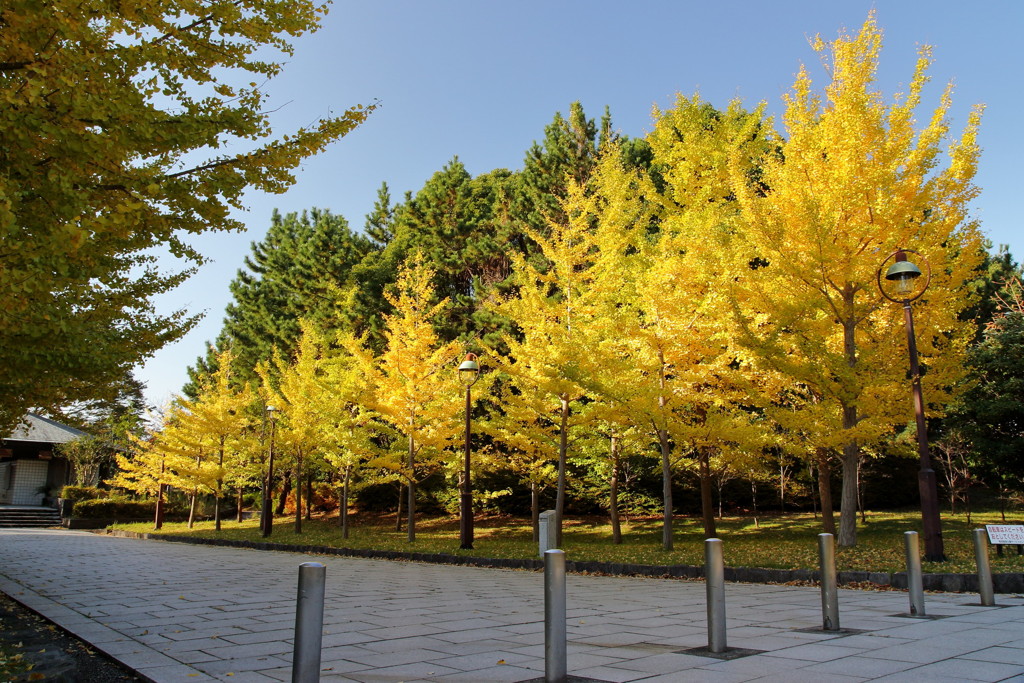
column 1005, row 534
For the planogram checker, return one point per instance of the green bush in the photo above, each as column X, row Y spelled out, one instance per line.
column 114, row 509
column 77, row 493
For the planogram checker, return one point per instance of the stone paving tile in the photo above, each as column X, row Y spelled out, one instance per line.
column 249, row 637
column 1005, row 654
column 663, row 664
column 487, row 645
column 611, row 675
column 334, row 661
column 495, row 674
column 346, row 638
column 172, row 673
column 965, row 670
column 377, row 659
column 120, row 647
column 485, row 660
column 754, row 667
column 866, row 666
column 190, row 656
column 247, row 677
column 145, row 659
column 405, row 672
column 229, row 651
column 924, row 653
column 815, row 652
column 802, row 676
column 423, row 642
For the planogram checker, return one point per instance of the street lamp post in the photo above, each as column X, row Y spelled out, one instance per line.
column 903, row 274
column 469, row 372
column 267, row 514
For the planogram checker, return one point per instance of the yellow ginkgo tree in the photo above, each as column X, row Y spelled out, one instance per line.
column 853, row 179
column 219, row 417
column 415, row 388
column 553, row 311
column 351, row 430
column 297, row 390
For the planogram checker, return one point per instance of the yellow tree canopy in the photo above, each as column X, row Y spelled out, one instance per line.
column 853, row 180
column 417, row 389
column 115, row 121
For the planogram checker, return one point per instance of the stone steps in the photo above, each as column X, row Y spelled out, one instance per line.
column 11, row 517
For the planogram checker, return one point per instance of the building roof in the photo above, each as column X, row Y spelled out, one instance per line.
column 42, row 429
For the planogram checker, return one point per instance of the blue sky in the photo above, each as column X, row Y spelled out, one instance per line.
column 480, row 79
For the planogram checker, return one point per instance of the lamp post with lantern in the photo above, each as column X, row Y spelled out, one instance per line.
column 469, row 372
column 904, row 275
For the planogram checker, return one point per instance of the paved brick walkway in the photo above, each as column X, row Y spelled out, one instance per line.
column 177, row 612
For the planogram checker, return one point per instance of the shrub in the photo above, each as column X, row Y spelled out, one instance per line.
column 78, row 493
column 115, row 509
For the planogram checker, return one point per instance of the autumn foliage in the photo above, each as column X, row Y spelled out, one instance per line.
column 713, row 309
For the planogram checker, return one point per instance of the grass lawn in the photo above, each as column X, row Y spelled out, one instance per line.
column 781, row 541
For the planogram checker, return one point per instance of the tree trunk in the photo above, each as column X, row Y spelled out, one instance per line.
column 721, row 485
column 535, row 510
column 398, row 515
column 613, row 494
column 848, row 503
column 238, row 505
column 814, row 490
column 411, row 505
column 158, row 522
column 344, row 502
column 753, row 494
column 666, row 490
column 860, row 493
column 1002, row 501
column 828, row 520
column 562, row 450
column 309, row 497
column 192, row 509
column 782, row 488
column 286, row 488
column 298, row 491
column 851, row 450
column 220, row 488
column 707, row 503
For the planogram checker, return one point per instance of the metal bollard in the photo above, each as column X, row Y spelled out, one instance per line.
column 984, row 570
column 554, row 617
column 714, row 576
column 309, row 623
column 915, row 584
column 829, row 590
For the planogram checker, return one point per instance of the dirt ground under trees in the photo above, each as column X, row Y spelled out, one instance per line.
column 34, row 649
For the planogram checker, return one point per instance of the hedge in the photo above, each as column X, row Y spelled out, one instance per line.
column 78, row 493
column 114, row 509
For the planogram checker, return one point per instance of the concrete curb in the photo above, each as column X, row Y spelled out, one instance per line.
column 949, row 583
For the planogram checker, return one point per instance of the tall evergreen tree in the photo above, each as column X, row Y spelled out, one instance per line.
column 300, row 270
column 568, row 153
column 379, row 225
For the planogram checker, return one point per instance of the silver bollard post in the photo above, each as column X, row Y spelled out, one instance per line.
column 714, row 577
column 309, row 623
column 984, row 569
column 554, row 617
column 829, row 589
column 915, row 584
